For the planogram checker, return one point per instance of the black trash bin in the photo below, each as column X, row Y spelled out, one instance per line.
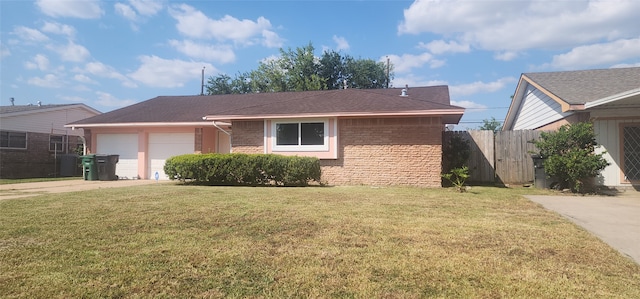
column 107, row 167
column 89, row 168
column 68, row 165
column 540, row 176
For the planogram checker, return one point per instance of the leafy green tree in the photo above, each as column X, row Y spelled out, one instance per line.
column 570, row 156
column 491, row 124
column 301, row 70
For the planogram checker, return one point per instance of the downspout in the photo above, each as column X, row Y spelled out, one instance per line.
column 221, row 129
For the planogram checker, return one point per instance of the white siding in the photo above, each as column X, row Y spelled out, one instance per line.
column 125, row 145
column 537, row 110
column 47, row 122
column 608, row 136
column 165, row 145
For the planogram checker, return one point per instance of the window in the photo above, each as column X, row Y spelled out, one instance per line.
column 631, row 152
column 300, row 135
column 57, row 143
column 13, row 139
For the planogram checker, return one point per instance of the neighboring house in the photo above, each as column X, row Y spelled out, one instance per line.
column 33, row 138
column 362, row 136
column 610, row 98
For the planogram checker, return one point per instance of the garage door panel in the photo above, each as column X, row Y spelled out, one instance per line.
column 124, row 145
column 165, row 145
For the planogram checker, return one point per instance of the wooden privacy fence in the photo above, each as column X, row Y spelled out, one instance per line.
column 503, row 157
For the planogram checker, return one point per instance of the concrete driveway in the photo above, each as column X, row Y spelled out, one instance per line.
column 9, row 191
column 613, row 219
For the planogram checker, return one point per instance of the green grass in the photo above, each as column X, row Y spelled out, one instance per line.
column 33, row 180
column 191, row 241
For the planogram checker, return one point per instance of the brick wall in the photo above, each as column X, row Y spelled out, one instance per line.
column 387, row 151
column 371, row 151
column 35, row 161
column 248, row 137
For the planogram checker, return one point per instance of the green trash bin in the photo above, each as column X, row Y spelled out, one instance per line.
column 89, row 167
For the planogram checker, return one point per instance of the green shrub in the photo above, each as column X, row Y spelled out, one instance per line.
column 457, row 177
column 569, row 155
column 243, row 169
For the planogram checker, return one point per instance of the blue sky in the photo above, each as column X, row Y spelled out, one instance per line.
column 110, row 54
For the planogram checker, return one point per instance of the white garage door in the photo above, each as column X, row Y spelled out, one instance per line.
column 125, row 145
column 165, row 145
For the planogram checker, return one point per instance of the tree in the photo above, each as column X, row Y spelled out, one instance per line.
column 491, row 125
column 570, row 156
column 301, row 70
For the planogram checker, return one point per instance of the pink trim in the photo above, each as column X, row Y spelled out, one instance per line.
column 332, row 153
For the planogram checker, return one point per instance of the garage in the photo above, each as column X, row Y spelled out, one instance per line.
column 165, row 145
column 125, row 145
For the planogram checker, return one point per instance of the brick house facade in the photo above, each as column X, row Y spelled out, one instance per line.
column 361, row 136
column 35, row 143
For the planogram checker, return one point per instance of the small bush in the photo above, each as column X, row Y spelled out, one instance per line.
column 243, row 169
column 570, row 155
column 457, row 177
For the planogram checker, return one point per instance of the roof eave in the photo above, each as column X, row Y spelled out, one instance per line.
column 613, row 98
column 439, row 112
column 140, row 124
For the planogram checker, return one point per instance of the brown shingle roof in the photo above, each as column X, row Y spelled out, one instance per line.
column 580, row 87
column 25, row 108
column 194, row 108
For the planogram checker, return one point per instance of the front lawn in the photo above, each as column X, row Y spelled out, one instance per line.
column 168, row 240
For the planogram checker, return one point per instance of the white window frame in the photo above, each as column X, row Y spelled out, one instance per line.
column 299, row 148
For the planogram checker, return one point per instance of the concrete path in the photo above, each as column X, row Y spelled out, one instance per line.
column 10, row 191
column 615, row 220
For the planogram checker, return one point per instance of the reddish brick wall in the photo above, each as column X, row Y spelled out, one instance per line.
column 248, row 137
column 35, row 161
column 387, row 151
column 371, row 151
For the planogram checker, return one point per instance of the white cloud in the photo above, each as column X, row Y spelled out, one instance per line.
column 49, row 81
column 29, row 34
column 341, row 43
column 505, row 56
column 157, row 72
column 71, row 52
column 146, row 7
column 413, row 80
column 271, row 39
column 469, row 105
column 195, row 24
column 39, row 62
column 102, row 70
column 406, row 62
column 125, row 11
column 73, row 99
column 82, row 9
column 219, row 53
column 4, row 51
column 480, row 87
column 57, row 28
column 598, row 54
column 84, row 79
column 108, row 100
column 623, row 65
column 440, row 47
column 505, row 25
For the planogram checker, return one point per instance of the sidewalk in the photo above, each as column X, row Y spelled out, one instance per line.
column 10, row 191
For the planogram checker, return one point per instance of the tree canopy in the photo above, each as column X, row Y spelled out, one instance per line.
column 301, row 70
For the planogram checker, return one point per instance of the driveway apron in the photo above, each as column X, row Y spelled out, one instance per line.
column 615, row 220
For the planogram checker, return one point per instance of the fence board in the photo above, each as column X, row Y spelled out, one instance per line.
column 503, row 157
column 513, row 156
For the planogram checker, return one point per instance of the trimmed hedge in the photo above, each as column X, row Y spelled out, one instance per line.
column 243, row 169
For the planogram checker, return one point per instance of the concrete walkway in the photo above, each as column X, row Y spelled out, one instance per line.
column 9, row 191
column 615, row 220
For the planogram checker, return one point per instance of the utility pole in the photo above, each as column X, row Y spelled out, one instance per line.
column 388, row 72
column 202, row 83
